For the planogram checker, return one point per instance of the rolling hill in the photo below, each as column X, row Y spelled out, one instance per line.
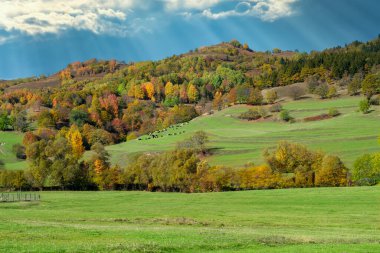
column 235, row 142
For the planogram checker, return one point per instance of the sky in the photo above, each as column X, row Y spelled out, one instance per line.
column 43, row 36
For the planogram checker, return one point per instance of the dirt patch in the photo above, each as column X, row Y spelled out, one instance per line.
column 317, row 118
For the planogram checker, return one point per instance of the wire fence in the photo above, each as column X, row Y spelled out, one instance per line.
column 19, row 197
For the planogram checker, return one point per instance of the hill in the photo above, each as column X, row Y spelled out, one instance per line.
column 235, row 142
column 98, row 103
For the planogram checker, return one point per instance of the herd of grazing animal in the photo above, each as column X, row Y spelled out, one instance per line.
column 162, row 133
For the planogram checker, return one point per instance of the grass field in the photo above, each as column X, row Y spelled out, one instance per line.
column 236, row 142
column 8, row 157
column 293, row 220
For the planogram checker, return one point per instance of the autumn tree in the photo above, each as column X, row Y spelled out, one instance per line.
column 74, row 138
column 183, row 94
column 192, row 93
column 218, row 102
column 104, row 176
column 331, row 173
column 149, row 89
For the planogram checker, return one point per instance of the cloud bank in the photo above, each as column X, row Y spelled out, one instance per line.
column 122, row 17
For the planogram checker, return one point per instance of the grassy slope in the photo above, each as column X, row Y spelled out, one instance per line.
column 237, row 142
column 9, row 158
column 293, row 220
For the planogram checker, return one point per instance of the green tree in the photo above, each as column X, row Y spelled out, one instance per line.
column 322, row 90
column 355, row 85
column 79, row 117
column 5, row 122
column 371, row 85
column 39, row 164
column 20, row 122
column 364, row 106
column 285, row 115
column 366, row 169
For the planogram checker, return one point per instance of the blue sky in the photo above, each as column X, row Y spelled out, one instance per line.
column 43, row 36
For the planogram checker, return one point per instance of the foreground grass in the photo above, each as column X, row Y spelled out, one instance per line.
column 295, row 220
column 236, row 142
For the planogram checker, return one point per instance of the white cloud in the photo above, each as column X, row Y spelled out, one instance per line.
column 119, row 17
column 190, row 4
column 267, row 10
column 35, row 17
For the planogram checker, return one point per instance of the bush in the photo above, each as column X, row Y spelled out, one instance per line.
column 312, row 83
column 285, row 115
column 295, row 92
column 375, row 101
column 19, row 151
column 364, row 106
column 333, row 112
column 332, row 92
column 131, row 136
column 322, row 90
column 366, row 170
column 251, row 114
column 271, row 96
column 275, row 108
column 263, row 112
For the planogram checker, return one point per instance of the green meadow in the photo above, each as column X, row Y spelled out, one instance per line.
column 292, row 220
column 8, row 139
column 235, row 142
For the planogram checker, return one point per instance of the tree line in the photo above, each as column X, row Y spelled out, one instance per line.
column 57, row 164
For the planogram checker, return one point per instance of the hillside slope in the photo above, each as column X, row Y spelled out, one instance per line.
column 235, row 142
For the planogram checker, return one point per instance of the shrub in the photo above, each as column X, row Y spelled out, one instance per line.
column 295, row 92
column 275, row 108
column 375, row 101
column 271, row 96
column 263, row 112
column 251, row 114
column 322, row 90
column 285, row 115
column 364, row 106
column 332, row 92
column 366, row 169
column 333, row 112
column 131, row 136
column 19, row 151
column 355, row 85
column 312, row 83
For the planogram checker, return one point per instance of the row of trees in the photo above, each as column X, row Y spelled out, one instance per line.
column 57, row 163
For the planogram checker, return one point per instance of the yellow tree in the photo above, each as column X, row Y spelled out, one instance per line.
column 131, row 91
column 149, row 89
column 192, row 93
column 139, row 92
column 169, row 89
column 75, row 139
column 218, row 102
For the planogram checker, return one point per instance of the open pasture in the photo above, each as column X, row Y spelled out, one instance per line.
column 292, row 220
column 235, row 142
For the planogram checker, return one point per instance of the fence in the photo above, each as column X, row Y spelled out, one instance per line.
column 19, row 197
